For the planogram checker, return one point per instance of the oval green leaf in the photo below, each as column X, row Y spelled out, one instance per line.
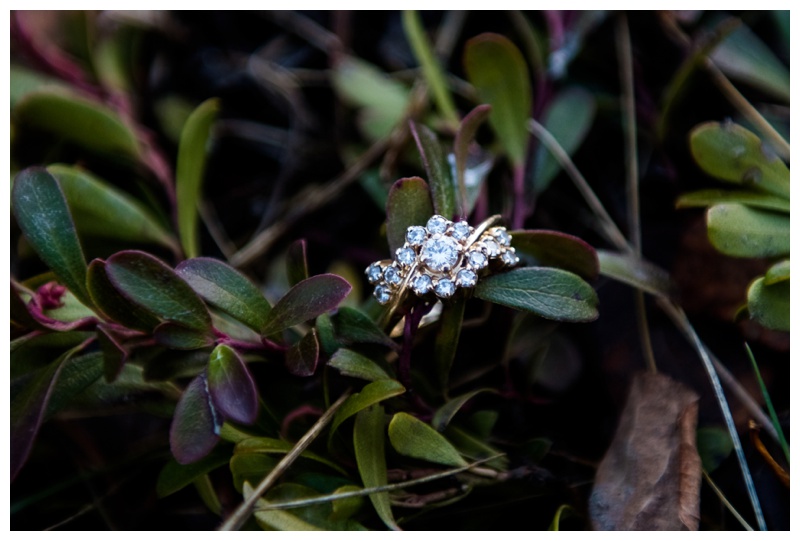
column 177, row 336
column 175, row 476
column 707, row 198
column 231, row 387
column 352, row 326
column 777, row 273
column 355, row 365
column 409, row 203
column 769, row 304
column 225, row 288
column 43, row 215
column 741, row 231
column 369, row 445
column 498, row 72
column 190, row 169
column 196, row 424
column 434, row 159
column 151, row 284
column 551, row 293
column 556, row 249
column 372, row 393
column 113, row 304
column 265, row 445
column 411, row 437
column 308, row 299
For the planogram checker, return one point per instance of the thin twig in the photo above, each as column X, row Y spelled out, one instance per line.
column 238, row 518
column 725, row 502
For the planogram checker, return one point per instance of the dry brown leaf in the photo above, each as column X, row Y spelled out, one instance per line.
column 650, row 477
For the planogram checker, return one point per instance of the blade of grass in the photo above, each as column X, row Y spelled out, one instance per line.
column 726, row 503
column 772, row 414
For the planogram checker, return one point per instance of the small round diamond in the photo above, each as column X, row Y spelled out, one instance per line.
column 492, row 248
column 476, row 260
column 437, row 224
column 502, row 237
column 460, row 230
column 406, row 256
column 445, row 288
column 421, row 284
column 440, row 254
column 382, row 293
column 510, row 258
column 466, row 278
column 415, row 235
column 374, row 273
column 391, row 276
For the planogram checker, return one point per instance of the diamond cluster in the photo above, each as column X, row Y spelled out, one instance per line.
column 439, row 258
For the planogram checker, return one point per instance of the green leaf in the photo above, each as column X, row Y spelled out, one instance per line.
column 769, row 304
column 78, row 120
column 730, row 152
column 464, row 137
column 77, row 374
column 409, row 203
column 355, row 365
column 102, row 210
column 273, row 446
column 713, row 445
column 431, row 69
column 347, row 507
column 296, row 262
column 278, row 519
column 231, row 387
column 773, row 415
column 411, row 437
column 24, row 81
column 562, row 511
column 474, row 447
column 742, row 56
column 369, row 442
column 308, row 299
column 196, row 423
column 447, row 337
column 497, row 70
column 302, row 357
column 113, row 304
column 150, row 283
column 635, row 272
column 741, row 231
column 445, row 414
column 177, row 336
column 250, row 468
column 382, row 100
column 438, row 169
column 372, row 393
column 353, row 326
column 115, row 355
column 556, row 249
column 42, row 214
column 325, row 335
column 568, row 118
column 175, row 476
column 551, row 293
column 707, row 198
column 225, row 288
column 192, row 154
column 777, row 273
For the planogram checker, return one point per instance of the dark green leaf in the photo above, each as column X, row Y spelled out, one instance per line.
column 296, row 262
column 769, row 304
column 445, row 414
column 355, row 365
column 325, row 335
column 295, row 520
column 347, row 507
column 636, row 272
column 308, row 299
column 169, row 364
column 114, row 353
column 568, row 119
column 24, row 81
column 113, row 304
column 496, row 68
column 464, row 137
column 368, row 442
column 707, row 198
column 225, row 288
column 175, row 476
column 302, row 357
column 274, row 446
column 250, row 468
column 742, row 231
column 372, row 393
column 353, row 326
column 192, row 151
column 730, row 152
column 438, row 169
column 556, row 249
column 777, row 273
column 409, row 203
column 713, row 445
column 102, row 210
column 195, row 425
column 446, row 344
column 232, row 389
column 19, row 308
column 76, row 119
column 550, row 293
column 177, row 336
column 151, row 284
column 411, row 437
column 77, row 374
column 42, row 214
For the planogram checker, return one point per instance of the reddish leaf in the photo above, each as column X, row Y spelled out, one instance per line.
column 302, row 358
column 196, row 423
column 231, row 386
column 308, row 299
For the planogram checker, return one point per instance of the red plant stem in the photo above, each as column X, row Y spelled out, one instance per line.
column 413, row 318
column 244, row 345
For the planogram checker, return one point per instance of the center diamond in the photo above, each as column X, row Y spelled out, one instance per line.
column 440, row 254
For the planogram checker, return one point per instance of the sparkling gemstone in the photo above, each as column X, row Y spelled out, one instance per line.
column 510, row 258
column 445, row 288
column 440, row 254
column 476, row 260
column 406, row 256
column 382, row 293
column 437, row 224
column 502, row 237
column 391, row 276
column 374, row 273
column 466, row 278
column 460, row 230
column 492, row 248
column 415, row 235
column 421, row 284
